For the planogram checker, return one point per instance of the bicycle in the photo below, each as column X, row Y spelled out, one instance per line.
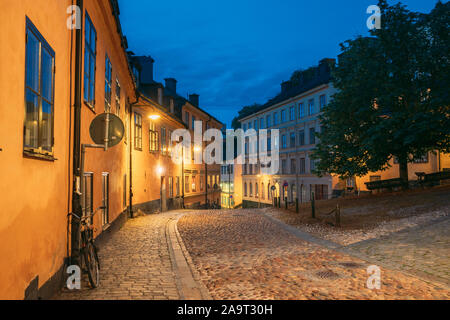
column 88, row 250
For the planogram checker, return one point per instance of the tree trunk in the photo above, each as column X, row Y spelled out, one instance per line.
column 403, row 167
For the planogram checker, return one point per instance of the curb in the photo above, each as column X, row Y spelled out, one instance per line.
column 189, row 284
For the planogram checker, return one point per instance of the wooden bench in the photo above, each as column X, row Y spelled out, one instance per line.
column 436, row 178
column 384, row 184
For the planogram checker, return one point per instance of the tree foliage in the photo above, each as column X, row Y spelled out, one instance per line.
column 392, row 98
column 244, row 112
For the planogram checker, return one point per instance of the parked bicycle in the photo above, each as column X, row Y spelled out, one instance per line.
column 88, row 250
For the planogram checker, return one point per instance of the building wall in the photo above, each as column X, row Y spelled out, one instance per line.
column 231, row 186
column 198, row 198
column 298, row 184
column 150, row 167
column 114, row 161
column 34, row 193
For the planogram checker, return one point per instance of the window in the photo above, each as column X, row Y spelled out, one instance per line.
column 311, row 107
column 312, row 165
column 245, row 127
column 255, row 124
column 153, row 138
column 251, row 189
column 292, row 140
column 186, row 184
column 118, row 94
column 293, row 166
column 268, row 124
column 163, row 140
column 301, row 137
column 256, row 190
column 301, row 110
column 283, row 166
column 90, row 55
column 194, row 185
column 312, row 136
column 283, row 116
column 302, row 166
column 138, row 131
column 292, row 113
column 108, row 76
column 322, row 101
column 245, row 190
column 249, row 125
column 283, row 141
column 193, row 122
column 177, row 186
column 422, row 159
column 170, row 187
column 261, row 123
column 275, row 119
column 39, row 87
column 262, row 191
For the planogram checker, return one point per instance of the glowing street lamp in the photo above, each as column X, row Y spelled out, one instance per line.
column 154, row 117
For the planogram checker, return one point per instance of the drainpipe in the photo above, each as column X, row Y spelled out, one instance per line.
column 131, row 145
column 78, row 180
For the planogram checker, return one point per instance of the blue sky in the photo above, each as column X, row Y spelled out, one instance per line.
column 235, row 53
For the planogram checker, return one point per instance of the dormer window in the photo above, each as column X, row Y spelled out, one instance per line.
column 160, row 96
column 171, row 106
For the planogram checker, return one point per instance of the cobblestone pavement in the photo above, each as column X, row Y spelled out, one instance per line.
column 423, row 250
column 241, row 254
column 135, row 264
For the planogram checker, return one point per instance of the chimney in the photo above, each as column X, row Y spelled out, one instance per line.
column 147, row 69
column 286, row 86
column 194, row 99
column 171, row 85
column 325, row 66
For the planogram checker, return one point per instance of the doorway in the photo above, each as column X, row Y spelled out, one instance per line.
column 163, row 194
column 105, row 199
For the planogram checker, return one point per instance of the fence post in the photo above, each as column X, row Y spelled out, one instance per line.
column 279, row 202
column 297, row 209
column 338, row 216
column 313, row 205
column 285, row 203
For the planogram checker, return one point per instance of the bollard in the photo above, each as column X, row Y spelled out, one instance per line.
column 285, row 203
column 313, row 205
column 279, row 202
column 338, row 216
column 297, row 209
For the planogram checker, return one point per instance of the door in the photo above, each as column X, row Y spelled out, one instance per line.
column 105, row 198
column 88, row 194
column 163, row 195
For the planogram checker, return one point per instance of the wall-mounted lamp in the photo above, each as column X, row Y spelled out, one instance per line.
column 154, row 117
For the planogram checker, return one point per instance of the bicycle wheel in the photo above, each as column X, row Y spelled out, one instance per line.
column 92, row 265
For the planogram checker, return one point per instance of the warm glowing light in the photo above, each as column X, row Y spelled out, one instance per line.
column 160, row 170
column 154, row 116
column 197, row 149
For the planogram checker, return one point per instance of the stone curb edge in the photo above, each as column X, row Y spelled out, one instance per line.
column 189, row 283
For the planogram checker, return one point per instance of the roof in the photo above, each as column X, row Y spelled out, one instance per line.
column 321, row 78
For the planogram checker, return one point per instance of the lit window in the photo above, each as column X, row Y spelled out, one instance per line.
column 90, row 54
column 39, row 87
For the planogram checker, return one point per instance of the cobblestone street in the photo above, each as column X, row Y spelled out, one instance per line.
column 135, row 264
column 243, row 254
column 423, row 250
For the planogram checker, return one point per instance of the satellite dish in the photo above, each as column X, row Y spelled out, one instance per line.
column 116, row 129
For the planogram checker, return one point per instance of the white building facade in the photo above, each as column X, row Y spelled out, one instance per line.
column 295, row 113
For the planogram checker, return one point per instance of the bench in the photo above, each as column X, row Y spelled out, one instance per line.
column 384, row 184
column 436, row 178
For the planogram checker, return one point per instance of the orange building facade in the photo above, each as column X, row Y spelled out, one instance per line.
column 64, row 63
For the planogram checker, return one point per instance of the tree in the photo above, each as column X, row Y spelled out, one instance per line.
column 244, row 112
column 392, row 98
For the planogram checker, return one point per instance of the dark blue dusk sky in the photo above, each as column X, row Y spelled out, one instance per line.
column 235, row 53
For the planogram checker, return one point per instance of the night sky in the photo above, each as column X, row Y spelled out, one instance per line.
column 235, row 53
